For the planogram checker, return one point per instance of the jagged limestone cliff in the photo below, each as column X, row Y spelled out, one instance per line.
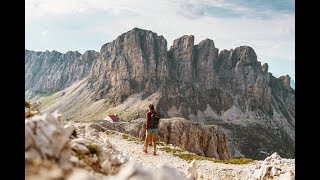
column 229, row 88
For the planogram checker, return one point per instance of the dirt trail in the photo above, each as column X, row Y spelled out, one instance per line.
column 208, row 169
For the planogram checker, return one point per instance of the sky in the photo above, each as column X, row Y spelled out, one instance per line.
column 69, row 25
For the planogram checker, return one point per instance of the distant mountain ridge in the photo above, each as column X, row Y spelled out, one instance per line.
column 229, row 88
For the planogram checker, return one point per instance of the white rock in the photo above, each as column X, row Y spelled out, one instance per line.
column 32, row 154
column 275, row 171
column 266, row 171
column 192, row 170
column 81, row 174
column 105, row 154
column 267, row 159
column 106, row 165
column 80, row 141
column 283, row 169
column 119, row 159
column 80, row 148
column 48, row 135
column 190, row 177
column 287, row 176
column 74, row 159
column 275, row 156
column 69, row 128
column 64, row 159
column 58, row 116
column 32, row 113
column 165, row 172
column 55, row 173
column 133, row 171
column 94, row 159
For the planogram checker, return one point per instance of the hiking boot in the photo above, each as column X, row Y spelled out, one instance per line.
column 154, row 153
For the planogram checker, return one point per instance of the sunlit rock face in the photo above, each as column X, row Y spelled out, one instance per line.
column 227, row 88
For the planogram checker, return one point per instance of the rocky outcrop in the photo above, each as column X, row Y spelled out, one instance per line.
column 47, row 72
column 192, row 171
column 55, row 150
column 229, row 88
column 274, row 167
column 202, row 140
column 136, row 61
column 206, row 55
column 181, row 54
column 233, row 77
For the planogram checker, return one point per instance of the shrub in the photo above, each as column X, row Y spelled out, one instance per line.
column 93, row 148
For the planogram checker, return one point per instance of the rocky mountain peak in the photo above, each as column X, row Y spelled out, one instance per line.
column 181, row 55
column 136, row 61
column 70, row 55
column 207, row 42
column 244, row 55
column 265, row 68
column 285, row 81
column 195, row 82
column 185, row 41
column 51, row 54
column 89, row 56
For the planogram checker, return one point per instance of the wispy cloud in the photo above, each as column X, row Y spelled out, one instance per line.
column 267, row 26
column 236, row 8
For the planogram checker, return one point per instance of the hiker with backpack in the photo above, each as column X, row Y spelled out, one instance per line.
column 152, row 124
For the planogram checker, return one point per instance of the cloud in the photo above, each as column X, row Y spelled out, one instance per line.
column 235, row 8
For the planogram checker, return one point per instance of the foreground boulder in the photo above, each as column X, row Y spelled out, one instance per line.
column 274, row 167
column 55, row 150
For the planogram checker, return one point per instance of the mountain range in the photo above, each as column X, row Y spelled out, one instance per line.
column 228, row 89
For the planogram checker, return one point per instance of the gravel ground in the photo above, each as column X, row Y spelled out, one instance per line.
column 206, row 169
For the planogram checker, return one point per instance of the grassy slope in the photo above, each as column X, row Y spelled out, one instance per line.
column 75, row 104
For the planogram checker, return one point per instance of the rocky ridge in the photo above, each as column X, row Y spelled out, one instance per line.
column 229, row 88
column 48, row 72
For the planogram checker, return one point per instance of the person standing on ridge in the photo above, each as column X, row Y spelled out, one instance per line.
column 152, row 125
